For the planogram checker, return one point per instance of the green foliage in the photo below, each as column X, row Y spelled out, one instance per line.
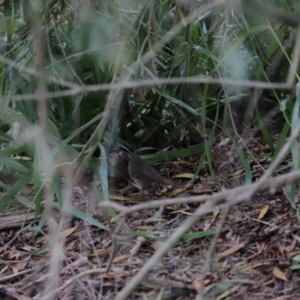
column 53, row 48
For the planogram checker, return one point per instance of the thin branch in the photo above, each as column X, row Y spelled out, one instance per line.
column 8, row 277
column 37, row 73
column 150, row 82
column 295, row 60
column 271, row 184
column 209, row 255
column 69, row 281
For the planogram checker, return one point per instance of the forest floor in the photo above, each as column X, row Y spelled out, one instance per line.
column 254, row 256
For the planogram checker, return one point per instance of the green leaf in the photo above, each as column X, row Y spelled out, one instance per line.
column 295, row 267
column 296, row 258
column 173, row 154
column 179, row 103
column 82, row 216
column 37, row 177
column 103, row 173
column 11, row 163
column 197, row 235
column 16, row 188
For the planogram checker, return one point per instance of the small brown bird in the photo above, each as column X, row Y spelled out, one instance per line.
column 118, row 162
column 143, row 174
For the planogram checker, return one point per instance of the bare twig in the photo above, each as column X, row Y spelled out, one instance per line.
column 150, row 82
column 8, row 277
column 271, row 184
column 295, row 60
column 71, row 280
column 37, row 73
column 211, row 250
column 114, row 233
